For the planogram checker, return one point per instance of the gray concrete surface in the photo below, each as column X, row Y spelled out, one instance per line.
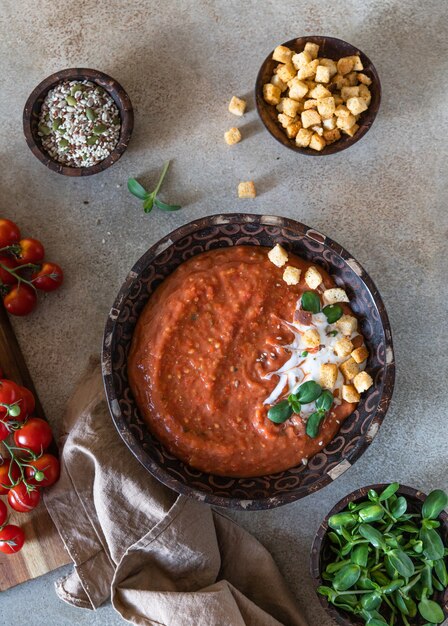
column 385, row 200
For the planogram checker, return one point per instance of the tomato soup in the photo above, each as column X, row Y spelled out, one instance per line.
column 203, row 360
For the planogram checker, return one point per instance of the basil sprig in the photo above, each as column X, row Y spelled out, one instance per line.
column 150, row 198
column 387, row 559
column 332, row 312
column 310, row 302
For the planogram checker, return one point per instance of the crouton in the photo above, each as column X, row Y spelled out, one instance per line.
column 290, row 107
column 332, row 296
column 351, row 131
column 291, row 275
column 309, row 118
column 329, row 123
column 277, row 81
column 364, row 79
column 356, row 105
column 345, row 65
column 345, row 123
column 330, row 64
column 341, row 111
column 362, row 382
column 357, row 63
column 303, row 138
column 364, row 92
column 317, row 142
column 311, row 338
column 351, row 79
column 301, row 59
column 312, row 49
column 318, row 92
column 310, row 104
column 333, row 135
column 360, row 354
column 313, row 277
column 349, row 394
column 286, row 72
column 343, row 347
column 326, row 107
column 297, row 89
column 278, row 255
column 349, row 369
column 271, row 94
column 285, row 120
column 282, row 54
column 328, row 375
column 322, row 74
column 318, row 129
column 347, row 324
column 308, row 71
column 247, row 189
column 237, row 106
column 232, row 136
column 293, row 129
column 349, row 92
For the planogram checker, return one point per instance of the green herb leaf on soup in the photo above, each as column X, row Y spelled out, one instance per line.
column 332, row 312
column 310, row 302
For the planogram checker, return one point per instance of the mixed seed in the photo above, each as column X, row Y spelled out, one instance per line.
column 79, row 123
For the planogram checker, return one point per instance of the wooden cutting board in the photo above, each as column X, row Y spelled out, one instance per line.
column 43, row 550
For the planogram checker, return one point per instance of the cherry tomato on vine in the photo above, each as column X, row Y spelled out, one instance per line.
column 49, row 277
column 4, row 432
column 11, row 396
column 31, row 251
column 21, row 499
column 47, row 469
column 5, row 277
column 29, row 403
column 21, row 300
column 5, row 481
column 35, row 434
column 3, row 513
column 9, row 233
column 12, row 539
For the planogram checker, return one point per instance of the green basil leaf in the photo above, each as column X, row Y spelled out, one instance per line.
column 294, row 403
column 324, row 401
column 431, row 611
column 280, row 412
column 308, row 392
column 401, row 562
column 310, row 302
column 389, row 491
column 148, row 204
column 313, row 424
column 434, row 504
column 136, row 189
column 347, row 577
column 166, row 207
column 332, row 312
column 433, row 547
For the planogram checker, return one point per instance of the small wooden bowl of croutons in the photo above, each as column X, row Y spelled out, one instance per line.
column 317, row 95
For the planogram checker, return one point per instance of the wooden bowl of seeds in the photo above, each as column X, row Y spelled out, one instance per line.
column 78, row 122
column 330, row 132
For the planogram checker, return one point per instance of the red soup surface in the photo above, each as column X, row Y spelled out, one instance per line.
column 200, row 353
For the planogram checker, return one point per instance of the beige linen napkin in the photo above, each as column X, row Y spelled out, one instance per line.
column 163, row 559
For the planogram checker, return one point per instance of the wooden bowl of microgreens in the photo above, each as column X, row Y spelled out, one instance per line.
column 379, row 558
column 78, row 122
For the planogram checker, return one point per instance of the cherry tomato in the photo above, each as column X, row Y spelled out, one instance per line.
column 4, row 432
column 12, row 539
column 22, row 500
column 49, row 277
column 21, row 300
column 5, row 470
column 29, row 403
column 35, row 434
column 5, row 277
column 47, row 469
column 9, row 233
column 3, row 513
column 31, row 251
column 10, row 395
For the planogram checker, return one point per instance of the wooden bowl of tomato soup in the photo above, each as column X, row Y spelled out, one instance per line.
column 196, row 347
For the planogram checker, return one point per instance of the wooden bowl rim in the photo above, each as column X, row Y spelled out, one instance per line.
column 316, row 548
column 337, row 146
column 121, row 99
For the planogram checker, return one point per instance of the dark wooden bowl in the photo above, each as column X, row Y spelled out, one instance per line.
column 355, row 434
column 330, row 48
column 321, row 554
column 33, row 105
